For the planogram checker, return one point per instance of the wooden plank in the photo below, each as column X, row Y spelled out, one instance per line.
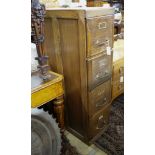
column 62, row 14
column 56, row 35
column 71, row 66
column 83, row 69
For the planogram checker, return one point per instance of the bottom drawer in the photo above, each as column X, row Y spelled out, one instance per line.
column 99, row 122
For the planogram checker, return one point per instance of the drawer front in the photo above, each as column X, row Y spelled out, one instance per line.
column 117, row 85
column 99, row 34
column 99, row 97
column 99, row 70
column 99, row 122
column 99, row 45
column 118, row 78
column 118, row 69
column 117, row 88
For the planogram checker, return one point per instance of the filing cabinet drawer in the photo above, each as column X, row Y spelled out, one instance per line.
column 99, row 45
column 99, row 70
column 99, row 97
column 100, row 24
column 99, row 121
column 99, row 34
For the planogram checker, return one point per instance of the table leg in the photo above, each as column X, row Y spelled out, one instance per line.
column 59, row 111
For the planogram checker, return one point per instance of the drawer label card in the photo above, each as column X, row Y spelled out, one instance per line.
column 108, row 50
column 121, row 79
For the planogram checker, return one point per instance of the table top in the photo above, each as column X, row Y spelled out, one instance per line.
column 37, row 82
column 43, row 92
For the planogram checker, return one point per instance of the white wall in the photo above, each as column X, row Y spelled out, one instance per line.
column 34, row 63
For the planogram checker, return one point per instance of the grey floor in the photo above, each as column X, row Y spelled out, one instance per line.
column 81, row 147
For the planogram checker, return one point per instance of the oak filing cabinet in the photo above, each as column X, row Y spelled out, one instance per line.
column 79, row 44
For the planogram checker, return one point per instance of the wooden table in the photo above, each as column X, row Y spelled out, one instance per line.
column 43, row 92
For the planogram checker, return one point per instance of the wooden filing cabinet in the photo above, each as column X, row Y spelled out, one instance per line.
column 78, row 43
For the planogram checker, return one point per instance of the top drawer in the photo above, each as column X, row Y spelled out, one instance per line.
column 99, row 34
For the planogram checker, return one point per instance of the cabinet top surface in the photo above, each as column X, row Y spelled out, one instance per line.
column 81, row 8
column 89, row 11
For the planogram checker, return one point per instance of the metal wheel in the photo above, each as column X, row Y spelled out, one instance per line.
column 45, row 134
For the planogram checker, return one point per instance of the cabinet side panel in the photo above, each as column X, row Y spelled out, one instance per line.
column 49, row 46
column 69, row 42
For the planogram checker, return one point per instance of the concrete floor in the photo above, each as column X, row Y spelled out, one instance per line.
column 83, row 148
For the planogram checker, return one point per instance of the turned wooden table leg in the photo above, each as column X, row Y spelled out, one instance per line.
column 59, row 111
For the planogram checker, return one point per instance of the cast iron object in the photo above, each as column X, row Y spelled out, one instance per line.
column 37, row 37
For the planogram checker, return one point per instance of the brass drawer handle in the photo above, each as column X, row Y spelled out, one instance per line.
column 100, row 105
column 99, row 43
column 96, row 56
column 99, row 128
column 101, row 75
column 104, row 122
column 102, row 25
